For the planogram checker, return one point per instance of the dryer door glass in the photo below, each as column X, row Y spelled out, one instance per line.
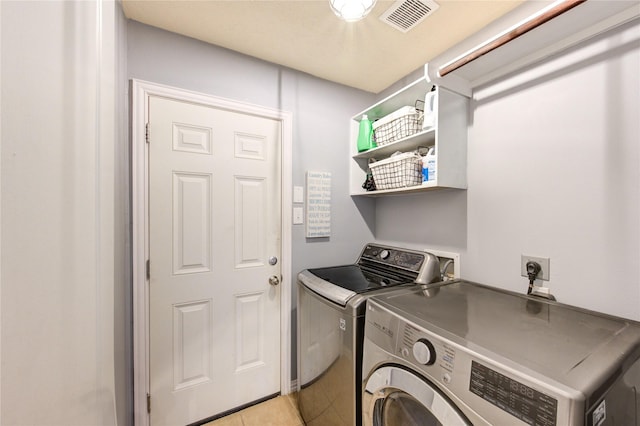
column 394, row 396
column 400, row 408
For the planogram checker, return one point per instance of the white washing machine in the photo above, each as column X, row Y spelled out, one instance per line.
column 466, row 354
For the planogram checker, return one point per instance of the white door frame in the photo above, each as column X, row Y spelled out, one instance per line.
column 140, row 93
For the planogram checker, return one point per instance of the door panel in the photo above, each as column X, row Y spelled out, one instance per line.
column 249, row 329
column 250, row 199
column 191, row 223
column 192, row 344
column 214, row 220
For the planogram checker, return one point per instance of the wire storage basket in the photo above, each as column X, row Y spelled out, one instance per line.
column 400, row 124
column 398, row 171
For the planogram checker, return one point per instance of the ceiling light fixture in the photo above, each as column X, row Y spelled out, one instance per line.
column 352, row 10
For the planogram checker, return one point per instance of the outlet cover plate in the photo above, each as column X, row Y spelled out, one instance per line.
column 544, row 264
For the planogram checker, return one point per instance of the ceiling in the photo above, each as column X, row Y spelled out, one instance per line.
column 305, row 34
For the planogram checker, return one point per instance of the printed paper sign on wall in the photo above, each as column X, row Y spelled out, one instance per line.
column 318, row 204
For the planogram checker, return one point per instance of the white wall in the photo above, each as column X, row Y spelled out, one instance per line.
column 553, row 171
column 57, row 113
column 123, row 315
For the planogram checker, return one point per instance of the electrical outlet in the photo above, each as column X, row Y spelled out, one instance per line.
column 542, row 261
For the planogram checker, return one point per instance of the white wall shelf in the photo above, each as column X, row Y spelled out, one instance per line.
column 449, row 137
column 424, row 138
column 407, row 96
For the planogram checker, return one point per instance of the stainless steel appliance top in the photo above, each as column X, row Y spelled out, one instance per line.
column 572, row 346
column 377, row 267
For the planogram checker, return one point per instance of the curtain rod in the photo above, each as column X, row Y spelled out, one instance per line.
column 528, row 25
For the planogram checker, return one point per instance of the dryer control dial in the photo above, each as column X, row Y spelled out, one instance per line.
column 424, row 352
column 384, row 254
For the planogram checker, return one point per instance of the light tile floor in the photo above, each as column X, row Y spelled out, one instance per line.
column 280, row 411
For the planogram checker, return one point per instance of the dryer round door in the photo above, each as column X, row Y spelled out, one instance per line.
column 394, row 396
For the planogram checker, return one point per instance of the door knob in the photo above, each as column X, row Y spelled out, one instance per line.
column 274, row 280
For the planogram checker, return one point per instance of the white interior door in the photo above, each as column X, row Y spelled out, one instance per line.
column 214, row 224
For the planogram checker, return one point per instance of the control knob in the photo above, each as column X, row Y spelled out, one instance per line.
column 384, row 254
column 424, row 352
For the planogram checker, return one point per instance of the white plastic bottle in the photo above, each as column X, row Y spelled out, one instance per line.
column 429, row 167
column 430, row 109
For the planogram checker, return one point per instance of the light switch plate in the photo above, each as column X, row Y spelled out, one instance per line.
column 298, row 194
column 298, row 215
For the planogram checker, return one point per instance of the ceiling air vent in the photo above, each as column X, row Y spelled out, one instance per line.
column 404, row 15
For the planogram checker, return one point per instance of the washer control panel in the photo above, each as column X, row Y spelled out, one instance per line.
column 512, row 396
column 406, row 259
column 436, row 356
column 424, row 352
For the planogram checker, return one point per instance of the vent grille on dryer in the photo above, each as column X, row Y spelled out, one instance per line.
column 404, row 15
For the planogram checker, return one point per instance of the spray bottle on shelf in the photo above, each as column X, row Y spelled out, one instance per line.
column 365, row 134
